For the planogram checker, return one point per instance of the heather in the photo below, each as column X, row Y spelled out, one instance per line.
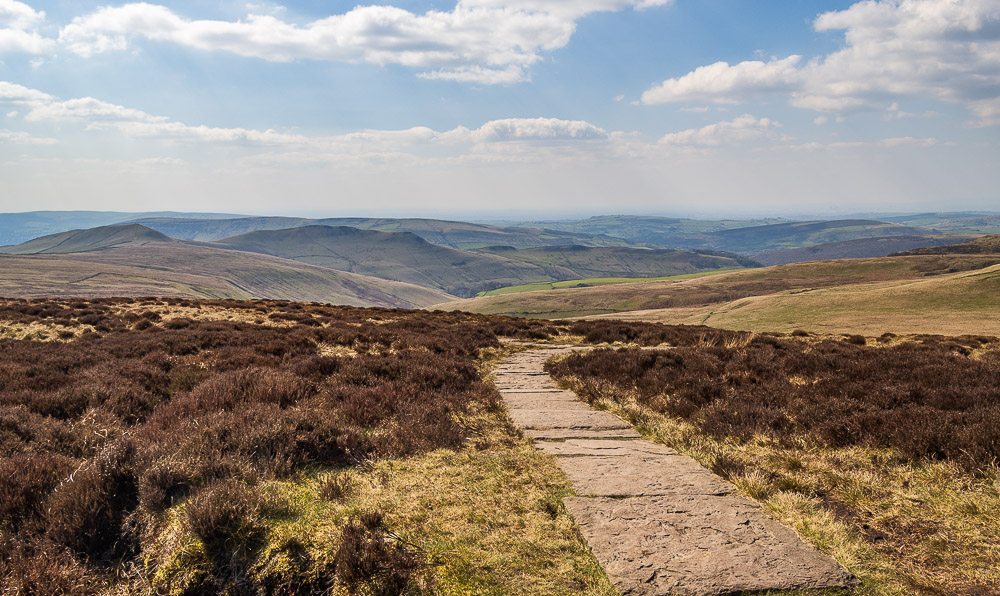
column 152, row 416
column 924, row 398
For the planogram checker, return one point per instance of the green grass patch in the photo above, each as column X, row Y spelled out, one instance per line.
column 593, row 281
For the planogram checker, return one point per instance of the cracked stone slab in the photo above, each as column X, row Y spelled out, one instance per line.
column 552, row 418
column 533, row 402
column 698, row 546
column 641, row 476
column 539, row 391
column 584, row 447
column 559, row 434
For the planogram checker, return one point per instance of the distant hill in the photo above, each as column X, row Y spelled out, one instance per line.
column 849, row 249
column 666, row 232
column 87, row 240
column 981, row 222
column 756, row 239
column 400, row 256
column 987, row 245
column 20, row 227
column 747, row 237
column 454, row 234
column 113, row 265
column 404, row 256
column 623, row 262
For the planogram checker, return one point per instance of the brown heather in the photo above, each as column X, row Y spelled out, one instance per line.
column 926, row 398
column 143, row 411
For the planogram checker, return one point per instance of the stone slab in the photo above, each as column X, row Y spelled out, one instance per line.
column 532, row 402
column 586, row 448
column 560, row 434
column 543, row 390
column 698, row 546
column 553, row 418
column 638, row 476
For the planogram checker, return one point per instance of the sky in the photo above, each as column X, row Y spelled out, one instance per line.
column 501, row 108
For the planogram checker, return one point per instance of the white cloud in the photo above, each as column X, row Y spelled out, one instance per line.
column 481, row 41
column 19, row 95
column 90, row 110
column 18, row 15
column 722, row 83
column 739, row 130
column 23, row 138
column 18, row 22
column 537, row 129
column 945, row 50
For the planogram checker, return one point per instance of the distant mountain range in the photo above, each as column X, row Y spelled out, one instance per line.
column 419, row 262
column 312, row 263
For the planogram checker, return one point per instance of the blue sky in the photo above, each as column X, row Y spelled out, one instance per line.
column 495, row 108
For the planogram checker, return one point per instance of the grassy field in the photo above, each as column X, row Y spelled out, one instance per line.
column 589, row 282
column 950, row 294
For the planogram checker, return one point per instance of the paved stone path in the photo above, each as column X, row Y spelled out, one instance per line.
column 658, row 522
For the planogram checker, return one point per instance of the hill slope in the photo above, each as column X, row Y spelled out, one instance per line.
column 963, row 303
column 99, row 238
column 149, row 266
column 861, row 248
column 622, row 262
column 401, row 256
column 987, row 245
column 454, row 234
column 404, row 256
column 21, row 227
column 693, row 300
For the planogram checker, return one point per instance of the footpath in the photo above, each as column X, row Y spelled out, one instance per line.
column 657, row 521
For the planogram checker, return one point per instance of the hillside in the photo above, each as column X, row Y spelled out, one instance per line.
column 149, row 266
column 99, row 238
column 623, row 262
column 402, row 256
column 654, row 231
column 861, row 248
column 454, row 234
column 951, row 304
column 756, row 239
column 21, row 227
column 748, row 237
column 986, row 245
column 692, row 300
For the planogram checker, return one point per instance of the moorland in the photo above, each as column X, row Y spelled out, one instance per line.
column 222, row 404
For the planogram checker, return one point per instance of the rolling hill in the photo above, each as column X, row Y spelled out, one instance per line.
column 453, row 234
column 986, row 245
column 849, row 249
column 404, row 256
column 400, row 256
column 701, row 300
column 104, row 262
column 21, row 227
column 756, row 239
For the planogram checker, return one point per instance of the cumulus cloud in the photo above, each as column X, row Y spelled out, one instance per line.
column 739, row 130
column 946, row 50
column 722, row 83
column 18, row 24
column 481, row 41
column 537, row 129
